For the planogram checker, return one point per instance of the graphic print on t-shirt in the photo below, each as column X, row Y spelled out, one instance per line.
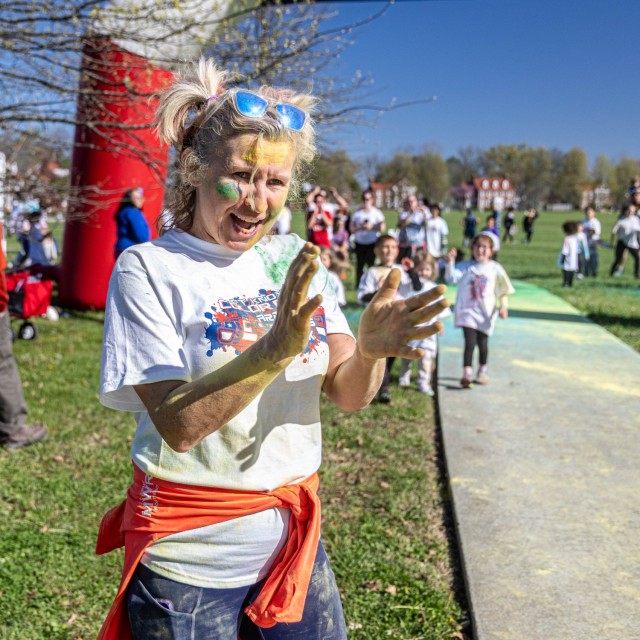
column 478, row 285
column 239, row 322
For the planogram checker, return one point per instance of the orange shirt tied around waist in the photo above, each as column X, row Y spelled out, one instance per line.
column 157, row 508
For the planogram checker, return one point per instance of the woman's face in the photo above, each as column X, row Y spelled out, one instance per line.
column 137, row 198
column 243, row 192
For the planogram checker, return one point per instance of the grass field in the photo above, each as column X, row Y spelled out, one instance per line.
column 385, row 501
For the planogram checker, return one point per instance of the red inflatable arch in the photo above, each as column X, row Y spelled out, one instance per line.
column 108, row 160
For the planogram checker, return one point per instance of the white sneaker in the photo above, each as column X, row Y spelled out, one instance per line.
column 404, row 381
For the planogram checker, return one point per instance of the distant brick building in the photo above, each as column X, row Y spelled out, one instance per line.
column 485, row 193
column 389, row 195
column 599, row 196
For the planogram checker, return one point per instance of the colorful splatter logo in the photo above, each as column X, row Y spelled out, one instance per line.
column 478, row 286
column 238, row 323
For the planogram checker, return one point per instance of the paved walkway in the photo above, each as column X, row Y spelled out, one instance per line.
column 544, row 465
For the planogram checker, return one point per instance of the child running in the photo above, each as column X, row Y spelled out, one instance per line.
column 426, row 270
column 482, row 284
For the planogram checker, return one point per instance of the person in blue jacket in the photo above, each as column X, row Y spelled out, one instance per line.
column 132, row 226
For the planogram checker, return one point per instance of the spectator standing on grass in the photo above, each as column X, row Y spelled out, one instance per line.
column 220, row 338
column 321, row 214
column 425, row 268
column 568, row 259
column 340, row 245
column 436, row 233
column 469, row 225
column 583, row 250
column 509, row 225
column 482, row 296
column 42, row 248
column 411, row 227
column 14, row 431
column 528, row 223
column 367, row 224
column 593, row 230
column 131, row 226
column 625, row 234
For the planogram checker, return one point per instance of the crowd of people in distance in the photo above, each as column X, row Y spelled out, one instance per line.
column 579, row 255
column 418, row 247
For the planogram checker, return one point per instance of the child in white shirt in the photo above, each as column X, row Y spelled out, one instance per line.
column 482, row 284
column 569, row 260
column 426, row 270
column 386, row 250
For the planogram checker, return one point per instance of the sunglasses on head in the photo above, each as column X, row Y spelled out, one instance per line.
column 252, row 105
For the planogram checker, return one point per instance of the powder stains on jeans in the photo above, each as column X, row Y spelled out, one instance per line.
column 277, row 267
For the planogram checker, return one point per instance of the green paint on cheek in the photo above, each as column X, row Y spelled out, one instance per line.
column 228, row 190
column 277, row 267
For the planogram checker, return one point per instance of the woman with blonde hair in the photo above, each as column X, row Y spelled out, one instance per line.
column 220, row 337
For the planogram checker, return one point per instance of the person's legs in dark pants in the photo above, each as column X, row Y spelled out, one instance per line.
column 470, row 342
column 616, row 267
column 383, row 393
column 365, row 257
column 636, row 261
column 483, row 357
column 592, row 262
column 14, row 432
column 567, row 278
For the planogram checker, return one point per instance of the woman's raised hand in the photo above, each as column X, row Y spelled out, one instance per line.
column 388, row 325
column 289, row 334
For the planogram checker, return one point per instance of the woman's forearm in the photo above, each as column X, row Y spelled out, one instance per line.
column 193, row 410
column 355, row 381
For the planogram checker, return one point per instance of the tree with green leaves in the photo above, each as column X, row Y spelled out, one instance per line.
column 571, row 172
column 337, row 170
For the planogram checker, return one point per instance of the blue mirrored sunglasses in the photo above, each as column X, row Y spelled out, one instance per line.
column 252, row 105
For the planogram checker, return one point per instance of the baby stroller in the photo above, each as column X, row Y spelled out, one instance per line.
column 29, row 296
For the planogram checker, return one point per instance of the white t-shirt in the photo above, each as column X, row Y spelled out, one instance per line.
column 627, row 230
column 179, row 308
column 374, row 216
column 373, row 278
column 437, row 233
column 593, row 230
column 480, row 285
column 568, row 259
column 413, row 232
column 430, row 344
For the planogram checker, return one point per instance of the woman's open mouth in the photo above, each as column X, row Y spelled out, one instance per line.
column 245, row 226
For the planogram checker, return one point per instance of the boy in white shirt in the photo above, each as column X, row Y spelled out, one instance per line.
column 386, row 250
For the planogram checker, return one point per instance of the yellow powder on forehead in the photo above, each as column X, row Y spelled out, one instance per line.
column 269, row 152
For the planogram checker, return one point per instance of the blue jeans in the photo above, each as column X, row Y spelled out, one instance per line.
column 163, row 608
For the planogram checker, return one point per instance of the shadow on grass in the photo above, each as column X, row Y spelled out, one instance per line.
column 453, row 544
column 607, row 320
column 539, row 315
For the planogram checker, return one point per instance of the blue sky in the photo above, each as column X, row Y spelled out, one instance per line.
column 553, row 73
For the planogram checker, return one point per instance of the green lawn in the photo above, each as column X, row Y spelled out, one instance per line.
column 385, row 501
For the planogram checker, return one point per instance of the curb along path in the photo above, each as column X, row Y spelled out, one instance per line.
column 544, row 467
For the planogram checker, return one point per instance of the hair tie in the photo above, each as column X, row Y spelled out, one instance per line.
column 212, row 98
